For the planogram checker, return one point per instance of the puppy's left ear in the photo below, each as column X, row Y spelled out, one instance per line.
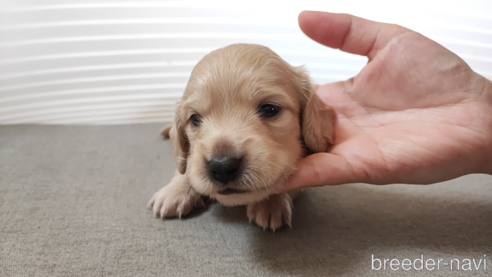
column 179, row 140
column 317, row 118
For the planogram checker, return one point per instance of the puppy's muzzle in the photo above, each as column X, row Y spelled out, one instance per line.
column 224, row 169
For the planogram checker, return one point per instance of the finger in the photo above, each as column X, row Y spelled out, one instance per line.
column 321, row 169
column 347, row 32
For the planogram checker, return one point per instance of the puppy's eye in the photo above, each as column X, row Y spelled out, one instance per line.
column 195, row 120
column 268, row 110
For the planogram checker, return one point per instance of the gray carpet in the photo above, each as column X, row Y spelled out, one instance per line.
column 72, row 203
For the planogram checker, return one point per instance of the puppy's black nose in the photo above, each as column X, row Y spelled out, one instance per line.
column 224, row 169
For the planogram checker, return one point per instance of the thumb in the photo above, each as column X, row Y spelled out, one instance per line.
column 321, row 169
column 347, row 32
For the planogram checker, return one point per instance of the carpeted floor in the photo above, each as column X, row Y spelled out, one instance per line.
column 72, row 203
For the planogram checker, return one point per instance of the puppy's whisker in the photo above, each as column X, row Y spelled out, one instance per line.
column 282, row 169
column 253, row 183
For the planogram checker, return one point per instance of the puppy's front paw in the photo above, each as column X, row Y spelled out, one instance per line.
column 273, row 212
column 172, row 201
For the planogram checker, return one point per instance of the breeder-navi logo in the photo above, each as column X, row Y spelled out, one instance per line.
column 429, row 264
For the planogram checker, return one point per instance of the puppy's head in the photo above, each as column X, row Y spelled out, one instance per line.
column 243, row 122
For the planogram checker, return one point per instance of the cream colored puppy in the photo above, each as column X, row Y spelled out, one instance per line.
column 245, row 119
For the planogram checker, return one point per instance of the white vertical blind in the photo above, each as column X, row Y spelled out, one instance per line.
column 120, row 61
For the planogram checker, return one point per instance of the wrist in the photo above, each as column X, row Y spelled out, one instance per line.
column 488, row 168
column 488, row 93
column 488, row 100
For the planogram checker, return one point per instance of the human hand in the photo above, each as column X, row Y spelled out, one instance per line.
column 416, row 113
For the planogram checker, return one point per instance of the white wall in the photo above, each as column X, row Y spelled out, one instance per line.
column 122, row 61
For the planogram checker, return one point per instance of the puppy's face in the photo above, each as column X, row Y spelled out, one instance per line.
column 242, row 124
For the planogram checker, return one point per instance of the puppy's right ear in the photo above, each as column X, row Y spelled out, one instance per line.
column 179, row 140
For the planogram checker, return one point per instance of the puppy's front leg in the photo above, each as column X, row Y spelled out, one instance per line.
column 273, row 212
column 178, row 198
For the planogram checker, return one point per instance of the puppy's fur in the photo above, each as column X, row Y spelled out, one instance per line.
column 226, row 92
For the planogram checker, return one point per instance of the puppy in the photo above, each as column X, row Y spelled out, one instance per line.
column 244, row 121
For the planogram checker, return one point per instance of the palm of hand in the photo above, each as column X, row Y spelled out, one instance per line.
column 407, row 117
